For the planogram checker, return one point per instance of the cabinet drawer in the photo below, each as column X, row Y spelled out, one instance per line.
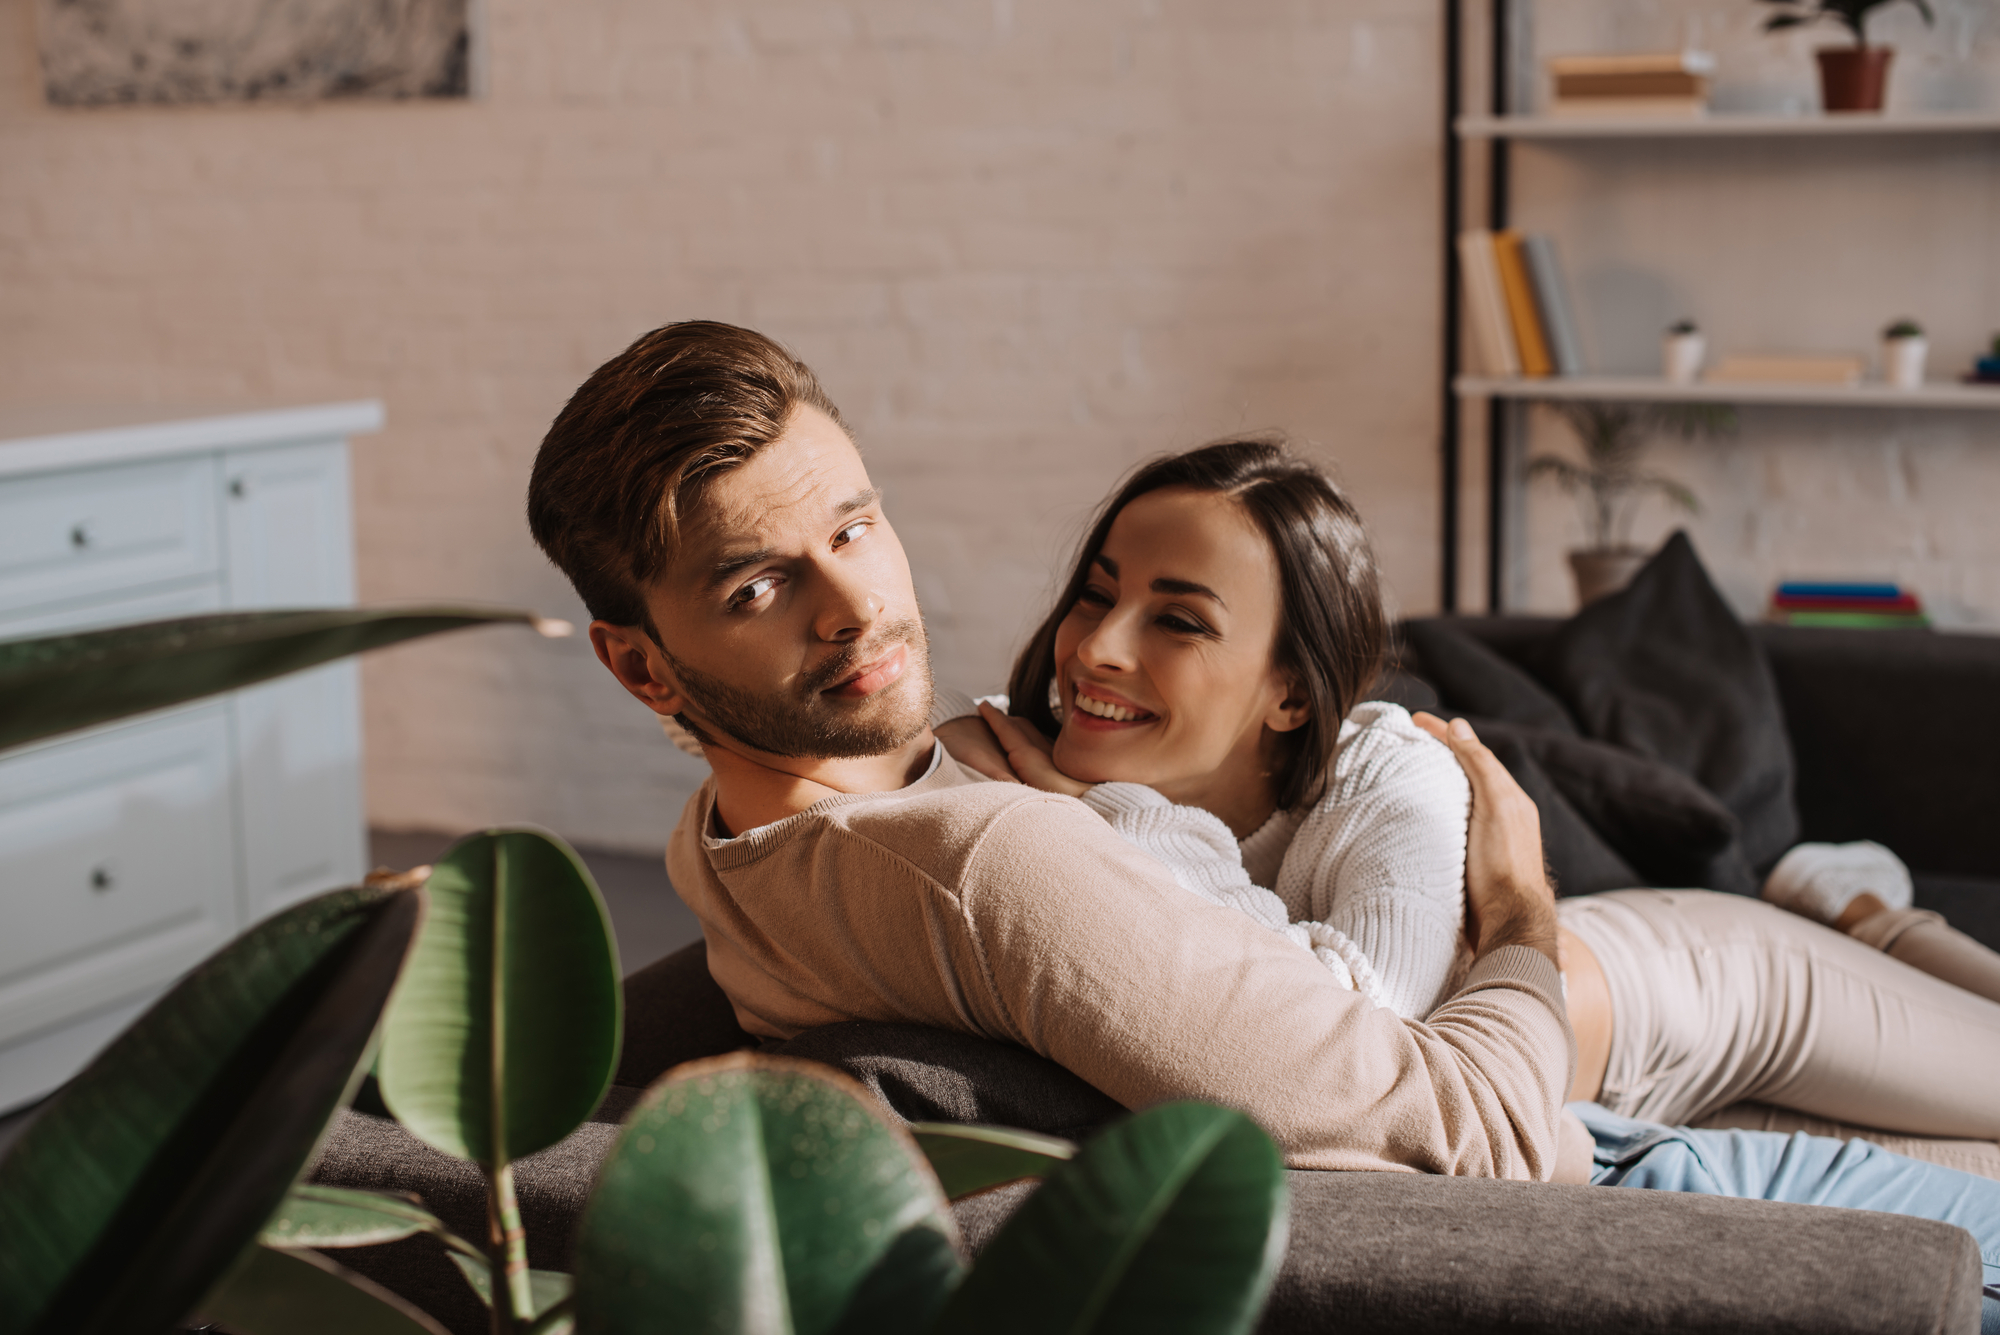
column 66, row 536
column 119, row 866
column 186, row 600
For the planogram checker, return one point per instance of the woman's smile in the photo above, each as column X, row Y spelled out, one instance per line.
column 1097, row 710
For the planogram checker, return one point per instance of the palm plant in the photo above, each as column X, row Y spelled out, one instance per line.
column 1611, row 482
column 1851, row 14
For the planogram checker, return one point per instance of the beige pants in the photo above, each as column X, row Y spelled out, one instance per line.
column 1718, row 999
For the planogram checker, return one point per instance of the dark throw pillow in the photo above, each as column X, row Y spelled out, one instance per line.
column 1613, row 820
column 1664, row 668
column 1473, row 679
column 1580, row 861
column 1411, row 692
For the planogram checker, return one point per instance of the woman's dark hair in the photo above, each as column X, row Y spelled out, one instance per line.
column 1331, row 628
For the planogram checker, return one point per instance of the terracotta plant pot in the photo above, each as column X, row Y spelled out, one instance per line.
column 1853, row 78
column 1605, row 570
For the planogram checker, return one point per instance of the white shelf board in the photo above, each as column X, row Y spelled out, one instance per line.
column 1729, row 125
column 1652, row 389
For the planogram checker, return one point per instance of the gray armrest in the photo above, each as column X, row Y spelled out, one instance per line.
column 1369, row 1251
column 1399, row 1252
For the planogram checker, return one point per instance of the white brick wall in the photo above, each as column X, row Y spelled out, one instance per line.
column 1026, row 242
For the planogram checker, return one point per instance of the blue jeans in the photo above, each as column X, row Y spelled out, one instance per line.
column 1801, row 1169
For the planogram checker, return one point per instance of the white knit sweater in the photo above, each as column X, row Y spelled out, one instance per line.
column 1371, row 878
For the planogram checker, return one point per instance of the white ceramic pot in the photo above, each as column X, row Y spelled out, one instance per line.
column 1903, row 361
column 1681, row 357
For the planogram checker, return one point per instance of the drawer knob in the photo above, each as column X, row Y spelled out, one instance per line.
column 102, row 879
column 79, row 537
column 238, row 488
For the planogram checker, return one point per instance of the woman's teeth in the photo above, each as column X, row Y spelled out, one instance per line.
column 1105, row 709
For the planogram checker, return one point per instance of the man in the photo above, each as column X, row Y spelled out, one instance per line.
column 703, row 496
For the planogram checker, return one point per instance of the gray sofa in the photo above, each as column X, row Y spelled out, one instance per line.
column 1396, row 1251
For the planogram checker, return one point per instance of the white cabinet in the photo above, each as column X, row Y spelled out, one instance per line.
column 286, row 539
column 129, row 853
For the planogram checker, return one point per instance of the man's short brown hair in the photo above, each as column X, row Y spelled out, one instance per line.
column 635, row 445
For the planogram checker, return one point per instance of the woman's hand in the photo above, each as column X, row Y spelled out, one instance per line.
column 973, row 745
column 1507, row 894
column 1030, row 754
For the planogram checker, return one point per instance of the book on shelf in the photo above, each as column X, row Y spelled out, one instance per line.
column 1847, row 606
column 1617, row 63
column 1519, row 289
column 1518, row 305
column 1552, row 304
column 1486, row 305
column 1789, row 370
column 1639, row 84
column 1816, row 589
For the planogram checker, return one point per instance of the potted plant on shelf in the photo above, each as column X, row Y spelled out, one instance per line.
column 1904, row 349
column 1611, row 482
column 1851, row 78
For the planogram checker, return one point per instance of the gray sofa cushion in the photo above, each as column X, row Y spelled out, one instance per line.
column 1368, row 1252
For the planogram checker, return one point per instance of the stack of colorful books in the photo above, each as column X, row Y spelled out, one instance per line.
column 1848, row 606
column 1518, row 305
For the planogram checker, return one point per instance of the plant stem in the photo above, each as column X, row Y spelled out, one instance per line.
column 513, row 1298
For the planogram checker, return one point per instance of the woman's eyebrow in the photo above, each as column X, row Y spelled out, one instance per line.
column 1186, row 586
column 1110, row 566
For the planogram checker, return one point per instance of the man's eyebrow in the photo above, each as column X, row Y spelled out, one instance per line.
column 860, row 500
column 725, row 569
column 1186, row 586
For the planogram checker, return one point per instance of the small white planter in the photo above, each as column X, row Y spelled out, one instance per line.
column 1903, row 361
column 1681, row 357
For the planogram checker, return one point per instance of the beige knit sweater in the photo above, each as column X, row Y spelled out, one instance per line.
column 1018, row 915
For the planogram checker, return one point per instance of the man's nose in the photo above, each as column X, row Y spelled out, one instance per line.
column 848, row 607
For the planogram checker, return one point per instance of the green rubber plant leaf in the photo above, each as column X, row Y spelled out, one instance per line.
column 972, row 1159
column 754, row 1194
column 147, row 1176
column 318, row 1216
column 550, row 1287
column 275, row 1292
column 504, row 1034
column 1172, row 1220
column 905, row 1290
column 59, row 683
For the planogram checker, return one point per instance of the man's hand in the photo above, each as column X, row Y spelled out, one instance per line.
column 1031, row 755
column 972, row 744
column 1507, row 893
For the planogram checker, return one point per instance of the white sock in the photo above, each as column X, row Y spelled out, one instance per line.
column 1819, row 881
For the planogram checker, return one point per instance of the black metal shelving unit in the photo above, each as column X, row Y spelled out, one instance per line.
column 1498, row 170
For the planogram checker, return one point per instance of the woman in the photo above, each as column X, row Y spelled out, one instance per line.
column 1199, row 683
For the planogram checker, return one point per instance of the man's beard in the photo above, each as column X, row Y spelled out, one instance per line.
column 802, row 723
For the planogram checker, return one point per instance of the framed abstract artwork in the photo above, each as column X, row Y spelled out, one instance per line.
column 98, row 52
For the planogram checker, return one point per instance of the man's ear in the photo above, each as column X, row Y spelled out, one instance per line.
column 638, row 664
column 1290, row 711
